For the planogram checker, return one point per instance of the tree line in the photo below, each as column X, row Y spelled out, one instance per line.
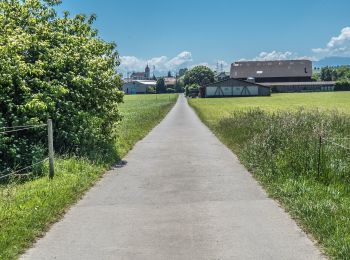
column 340, row 74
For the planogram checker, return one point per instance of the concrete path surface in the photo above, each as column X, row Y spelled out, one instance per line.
column 181, row 195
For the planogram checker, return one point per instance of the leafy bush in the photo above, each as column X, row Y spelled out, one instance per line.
column 54, row 67
column 190, row 89
column 200, row 75
column 170, row 90
column 151, row 90
column 160, row 87
column 342, row 85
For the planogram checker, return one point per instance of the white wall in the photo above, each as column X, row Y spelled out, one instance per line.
column 232, row 91
column 134, row 87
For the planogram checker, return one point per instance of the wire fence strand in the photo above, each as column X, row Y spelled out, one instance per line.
column 15, row 173
column 336, row 144
column 22, row 129
column 19, row 126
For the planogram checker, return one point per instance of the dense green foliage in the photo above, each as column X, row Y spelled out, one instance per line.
column 335, row 73
column 27, row 209
column 160, row 87
column 300, row 155
column 151, row 90
column 191, row 89
column 200, row 75
column 342, row 85
column 182, row 72
column 340, row 74
column 54, row 67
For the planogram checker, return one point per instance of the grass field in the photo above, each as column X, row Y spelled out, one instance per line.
column 27, row 209
column 214, row 108
column 288, row 142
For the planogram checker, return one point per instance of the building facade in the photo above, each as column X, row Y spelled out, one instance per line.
column 235, row 88
column 313, row 86
column 273, row 71
column 138, row 86
column 281, row 75
column 141, row 75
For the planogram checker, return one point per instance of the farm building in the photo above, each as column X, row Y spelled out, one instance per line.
column 138, row 86
column 235, row 88
column 281, row 75
column 170, row 82
column 313, row 86
column 273, row 71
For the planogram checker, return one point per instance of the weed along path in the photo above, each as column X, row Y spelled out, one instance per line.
column 181, row 194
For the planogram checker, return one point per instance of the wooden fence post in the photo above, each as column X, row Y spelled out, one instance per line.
column 319, row 156
column 51, row 151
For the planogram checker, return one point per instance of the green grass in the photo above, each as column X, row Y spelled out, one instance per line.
column 27, row 209
column 221, row 107
column 278, row 142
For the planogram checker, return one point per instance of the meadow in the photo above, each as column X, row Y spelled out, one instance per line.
column 297, row 146
column 28, row 208
column 217, row 107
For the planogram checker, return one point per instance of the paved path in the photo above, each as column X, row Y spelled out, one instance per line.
column 182, row 195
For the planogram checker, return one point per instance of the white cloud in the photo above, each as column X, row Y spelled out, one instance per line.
column 162, row 64
column 184, row 58
column 274, row 55
column 338, row 45
column 278, row 55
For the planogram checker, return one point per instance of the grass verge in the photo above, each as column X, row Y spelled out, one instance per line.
column 27, row 209
column 281, row 149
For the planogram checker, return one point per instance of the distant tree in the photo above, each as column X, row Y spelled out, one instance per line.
column 180, row 86
column 342, row 85
column 200, row 75
column 326, row 74
column 316, row 77
column 151, row 90
column 190, row 89
column 160, row 87
column 182, row 72
column 169, row 74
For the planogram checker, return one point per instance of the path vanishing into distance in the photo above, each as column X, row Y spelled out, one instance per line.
column 181, row 195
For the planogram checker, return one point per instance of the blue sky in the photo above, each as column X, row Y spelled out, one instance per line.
column 174, row 34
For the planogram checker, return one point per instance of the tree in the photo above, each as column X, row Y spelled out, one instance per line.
column 182, row 72
column 160, row 87
column 190, row 89
column 200, row 75
column 326, row 74
column 59, row 68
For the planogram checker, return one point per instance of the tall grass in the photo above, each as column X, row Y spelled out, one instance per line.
column 306, row 142
column 28, row 207
column 302, row 160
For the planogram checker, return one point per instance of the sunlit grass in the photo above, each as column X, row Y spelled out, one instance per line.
column 27, row 209
column 214, row 108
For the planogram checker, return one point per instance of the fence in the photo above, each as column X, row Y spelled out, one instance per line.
column 50, row 158
column 342, row 145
